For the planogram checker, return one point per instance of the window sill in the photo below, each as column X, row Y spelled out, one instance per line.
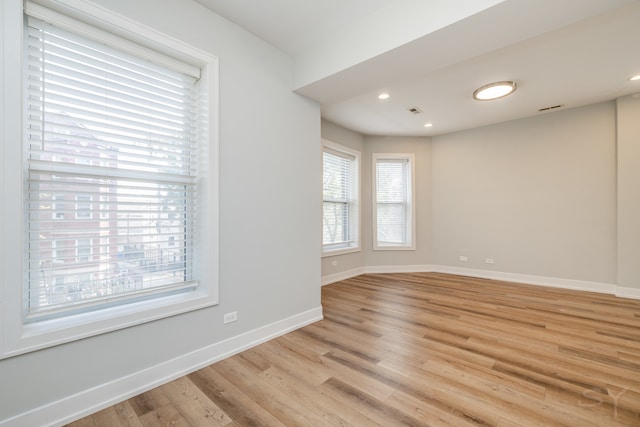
column 340, row 251
column 394, row 248
column 45, row 333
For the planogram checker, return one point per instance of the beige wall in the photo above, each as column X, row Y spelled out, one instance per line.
column 556, row 196
column 355, row 141
column 629, row 192
column 421, row 147
column 537, row 195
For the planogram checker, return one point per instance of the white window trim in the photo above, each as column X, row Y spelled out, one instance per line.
column 88, row 212
column 54, row 206
column 411, row 197
column 56, row 248
column 88, row 256
column 331, row 250
column 18, row 337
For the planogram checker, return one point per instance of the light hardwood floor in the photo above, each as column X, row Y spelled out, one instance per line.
column 421, row 349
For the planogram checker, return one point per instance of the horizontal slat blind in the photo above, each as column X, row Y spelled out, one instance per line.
column 391, row 199
column 112, row 161
column 337, row 197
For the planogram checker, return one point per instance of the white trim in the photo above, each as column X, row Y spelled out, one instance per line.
column 10, row 154
column 355, row 217
column 107, row 38
column 340, row 251
column 410, row 245
column 624, row 292
column 375, row 269
column 578, row 285
column 348, row 274
column 127, row 28
column 18, row 338
column 528, row 279
column 90, row 401
column 342, row 275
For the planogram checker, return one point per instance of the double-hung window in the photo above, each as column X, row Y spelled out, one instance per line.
column 83, row 207
column 340, row 199
column 58, row 206
column 120, row 165
column 393, row 196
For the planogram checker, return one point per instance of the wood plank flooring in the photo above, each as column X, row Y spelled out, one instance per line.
column 421, row 349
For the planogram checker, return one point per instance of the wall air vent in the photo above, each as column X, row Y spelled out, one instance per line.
column 415, row 110
column 553, row 107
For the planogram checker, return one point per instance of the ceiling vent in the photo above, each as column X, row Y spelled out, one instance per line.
column 415, row 110
column 553, row 107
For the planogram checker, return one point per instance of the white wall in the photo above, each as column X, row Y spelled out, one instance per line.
column 355, row 141
column 270, row 258
column 629, row 193
column 536, row 195
column 362, row 40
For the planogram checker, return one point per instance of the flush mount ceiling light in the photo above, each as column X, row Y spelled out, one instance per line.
column 494, row 91
column 383, row 96
column 634, row 78
column 428, row 125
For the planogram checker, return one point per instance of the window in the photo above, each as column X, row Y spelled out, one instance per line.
column 83, row 207
column 58, row 206
column 393, row 209
column 57, row 251
column 104, row 207
column 340, row 196
column 83, row 249
column 126, row 126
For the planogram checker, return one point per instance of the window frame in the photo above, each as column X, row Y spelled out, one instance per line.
column 80, row 249
column 81, row 211
column 19, row 336
column 410, row 231
column 341, row 248
column 56, row 249
column 58, row 201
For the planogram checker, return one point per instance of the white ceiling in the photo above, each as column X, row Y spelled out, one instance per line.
column 432, row 54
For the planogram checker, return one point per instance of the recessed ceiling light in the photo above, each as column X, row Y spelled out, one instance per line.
column 634, row 78
column 383, row 96
column 494, row 91
column 428, row 125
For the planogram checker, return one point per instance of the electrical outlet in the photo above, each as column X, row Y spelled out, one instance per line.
column 334, row 262
column 464, row 258
column 230, row 317
column 488, row 261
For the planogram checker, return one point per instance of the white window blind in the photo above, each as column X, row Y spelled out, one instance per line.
column 393, row 216
column 339, row 209
column 111, row 183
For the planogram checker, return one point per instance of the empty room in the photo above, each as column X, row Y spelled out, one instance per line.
column 319, row 212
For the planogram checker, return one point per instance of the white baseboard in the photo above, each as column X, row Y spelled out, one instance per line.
column 398, row 268
column 348, row 274
column 105, row 395
column 623, row 292
column 578, row 285
column 89, row 401
column 79, row 405
column 342, row 275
